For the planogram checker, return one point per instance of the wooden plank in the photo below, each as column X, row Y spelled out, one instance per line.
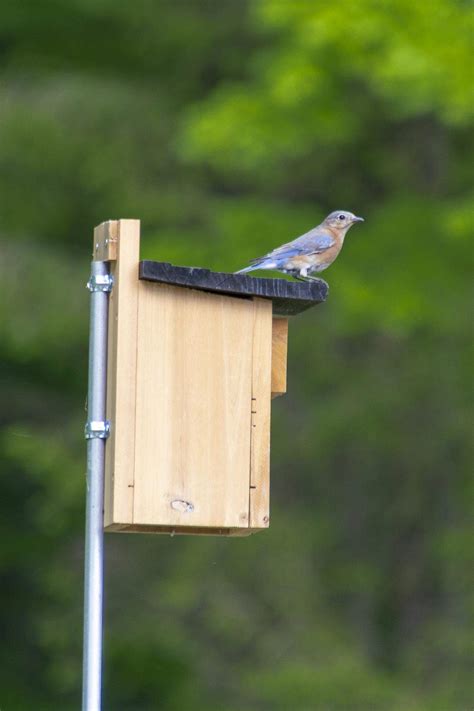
column 100, row 235
column 194, row 375
column 288, row 297
column 179, row 530
column 121, row 378
column 111, row 388
column 104, row 248
column 260, row 422
column 279, row 355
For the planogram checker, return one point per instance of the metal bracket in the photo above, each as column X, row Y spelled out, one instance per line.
column 100, row 282
column 97, row 429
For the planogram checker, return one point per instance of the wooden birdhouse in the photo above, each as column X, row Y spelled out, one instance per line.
column 194, row 359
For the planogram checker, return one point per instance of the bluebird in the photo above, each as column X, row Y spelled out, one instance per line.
column 310, row 253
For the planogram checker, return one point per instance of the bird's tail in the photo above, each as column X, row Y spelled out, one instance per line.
column 246, row 269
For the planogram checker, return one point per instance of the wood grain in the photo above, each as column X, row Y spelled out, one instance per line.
column 194, row 383
column 261, row 411
column 279, row 355
column 179, row 530
column 121, row 375
column 104, row 248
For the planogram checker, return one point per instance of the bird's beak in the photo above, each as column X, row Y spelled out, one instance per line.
column 357, row 219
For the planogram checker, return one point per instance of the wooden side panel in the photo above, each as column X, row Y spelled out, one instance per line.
column 111, row 388
column 194, row 381
column 261, row 406
column 121, row 375
column 279, row 355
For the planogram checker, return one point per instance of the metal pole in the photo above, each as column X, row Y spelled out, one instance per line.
column 96, row 433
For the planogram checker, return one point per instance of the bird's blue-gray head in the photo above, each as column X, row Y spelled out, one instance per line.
column 341, row 220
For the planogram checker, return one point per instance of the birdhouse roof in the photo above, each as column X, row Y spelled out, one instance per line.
column 288, row 297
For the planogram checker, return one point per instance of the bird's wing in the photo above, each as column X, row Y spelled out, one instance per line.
column 313, row 242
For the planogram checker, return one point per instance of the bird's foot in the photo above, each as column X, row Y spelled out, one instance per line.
column 310, row 278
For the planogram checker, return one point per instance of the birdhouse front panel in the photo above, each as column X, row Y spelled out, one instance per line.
column 193, row 435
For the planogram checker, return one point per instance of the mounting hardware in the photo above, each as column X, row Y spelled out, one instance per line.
column 100, row 282
column 97, row 429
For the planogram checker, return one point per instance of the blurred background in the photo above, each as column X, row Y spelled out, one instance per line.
column 228, row 128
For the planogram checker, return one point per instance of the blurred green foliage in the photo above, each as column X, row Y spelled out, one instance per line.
column 229, row 128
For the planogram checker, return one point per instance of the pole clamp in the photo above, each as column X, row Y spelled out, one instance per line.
column 97, row 429
column 100, row 282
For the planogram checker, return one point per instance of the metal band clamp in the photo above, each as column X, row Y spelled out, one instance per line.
column 100, row 282
column 97, row 429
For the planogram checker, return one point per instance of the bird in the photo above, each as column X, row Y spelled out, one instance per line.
column 310, row 253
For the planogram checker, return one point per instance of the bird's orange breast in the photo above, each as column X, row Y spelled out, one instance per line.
column 326, row 258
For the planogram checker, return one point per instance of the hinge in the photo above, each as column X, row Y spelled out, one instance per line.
column 253, row 412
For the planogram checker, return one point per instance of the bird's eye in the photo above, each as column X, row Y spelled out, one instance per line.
column 342, row 217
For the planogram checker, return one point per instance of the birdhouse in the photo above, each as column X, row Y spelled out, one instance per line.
column 194, row 360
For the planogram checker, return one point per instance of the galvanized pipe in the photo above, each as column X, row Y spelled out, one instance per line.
column 96, row 433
